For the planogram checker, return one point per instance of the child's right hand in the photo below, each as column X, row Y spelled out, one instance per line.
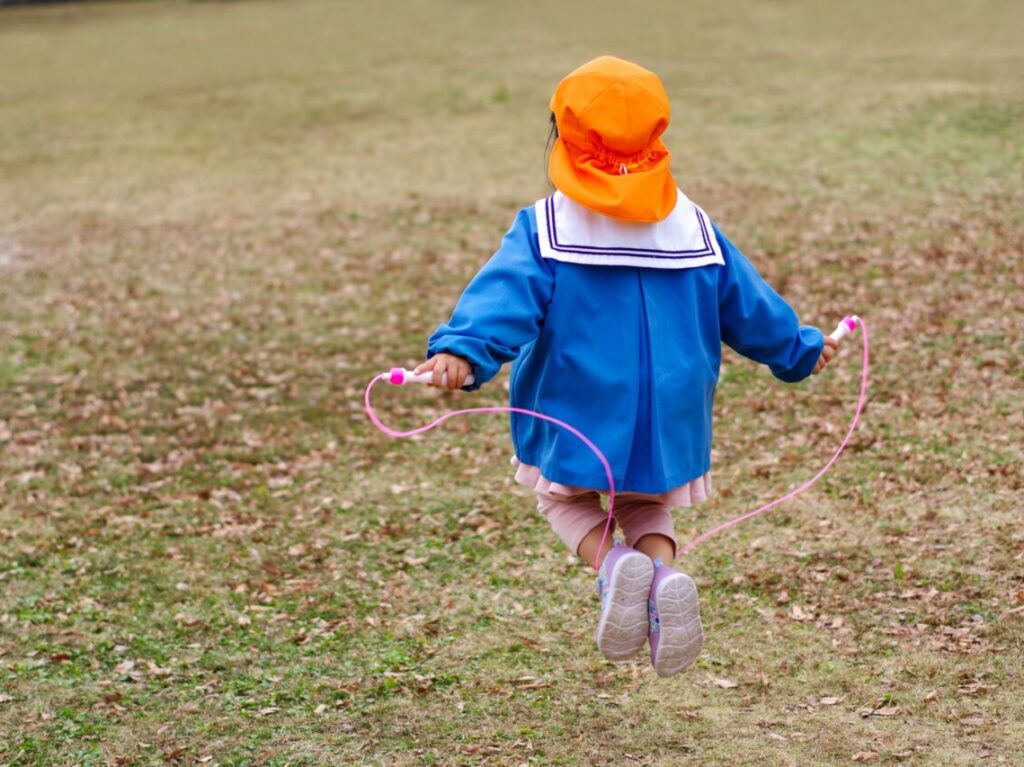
column 828, row 351
column 457, row 369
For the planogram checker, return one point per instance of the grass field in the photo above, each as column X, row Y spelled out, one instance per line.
column 220, row 219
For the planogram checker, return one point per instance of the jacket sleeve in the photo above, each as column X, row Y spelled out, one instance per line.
column 503, row 307
column 758, row 323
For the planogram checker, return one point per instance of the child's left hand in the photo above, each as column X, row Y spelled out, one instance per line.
column 827, row 353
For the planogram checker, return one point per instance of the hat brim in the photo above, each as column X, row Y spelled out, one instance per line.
column 644, row 194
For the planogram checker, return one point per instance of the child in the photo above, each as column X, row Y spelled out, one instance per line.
column 613, row 297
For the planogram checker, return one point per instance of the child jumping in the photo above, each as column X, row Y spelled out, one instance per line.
column 612, row 298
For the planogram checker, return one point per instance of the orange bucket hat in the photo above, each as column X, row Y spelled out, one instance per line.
column 608, row 156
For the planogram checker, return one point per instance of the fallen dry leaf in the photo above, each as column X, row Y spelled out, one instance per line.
column 475, row 750
column 797, row 613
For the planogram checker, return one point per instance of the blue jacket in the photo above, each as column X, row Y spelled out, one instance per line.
column 628, row 355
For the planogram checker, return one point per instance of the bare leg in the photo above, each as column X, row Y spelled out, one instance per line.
column 655, row 546
column 588, row 546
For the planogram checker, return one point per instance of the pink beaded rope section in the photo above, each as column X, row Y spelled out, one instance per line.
column 861, row 401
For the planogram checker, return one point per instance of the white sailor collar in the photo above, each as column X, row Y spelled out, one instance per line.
column 569, row 232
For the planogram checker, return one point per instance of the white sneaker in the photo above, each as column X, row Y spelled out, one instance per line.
column 623, row 583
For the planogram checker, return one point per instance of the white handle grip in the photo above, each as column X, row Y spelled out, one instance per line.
column 401, row 376
column 845, row 327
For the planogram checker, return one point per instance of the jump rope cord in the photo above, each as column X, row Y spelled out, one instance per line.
column 861, row 400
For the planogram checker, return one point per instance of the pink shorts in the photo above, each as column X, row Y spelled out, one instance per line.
column 575, row 511
column 638, row 514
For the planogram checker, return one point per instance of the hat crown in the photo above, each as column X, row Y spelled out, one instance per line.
column 612, row 105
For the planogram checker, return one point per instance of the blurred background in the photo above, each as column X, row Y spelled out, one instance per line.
column 219, row 219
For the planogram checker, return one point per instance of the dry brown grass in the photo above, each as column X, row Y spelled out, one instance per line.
column 221, row 219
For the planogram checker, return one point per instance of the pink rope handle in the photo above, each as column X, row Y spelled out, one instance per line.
column 861, row 400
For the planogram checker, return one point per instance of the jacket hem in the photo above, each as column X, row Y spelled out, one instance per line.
column 600, row 481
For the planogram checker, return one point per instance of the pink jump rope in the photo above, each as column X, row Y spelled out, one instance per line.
column 400, row 376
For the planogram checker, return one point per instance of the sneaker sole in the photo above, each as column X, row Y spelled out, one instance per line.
column 622, row 630
column 682, row 635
